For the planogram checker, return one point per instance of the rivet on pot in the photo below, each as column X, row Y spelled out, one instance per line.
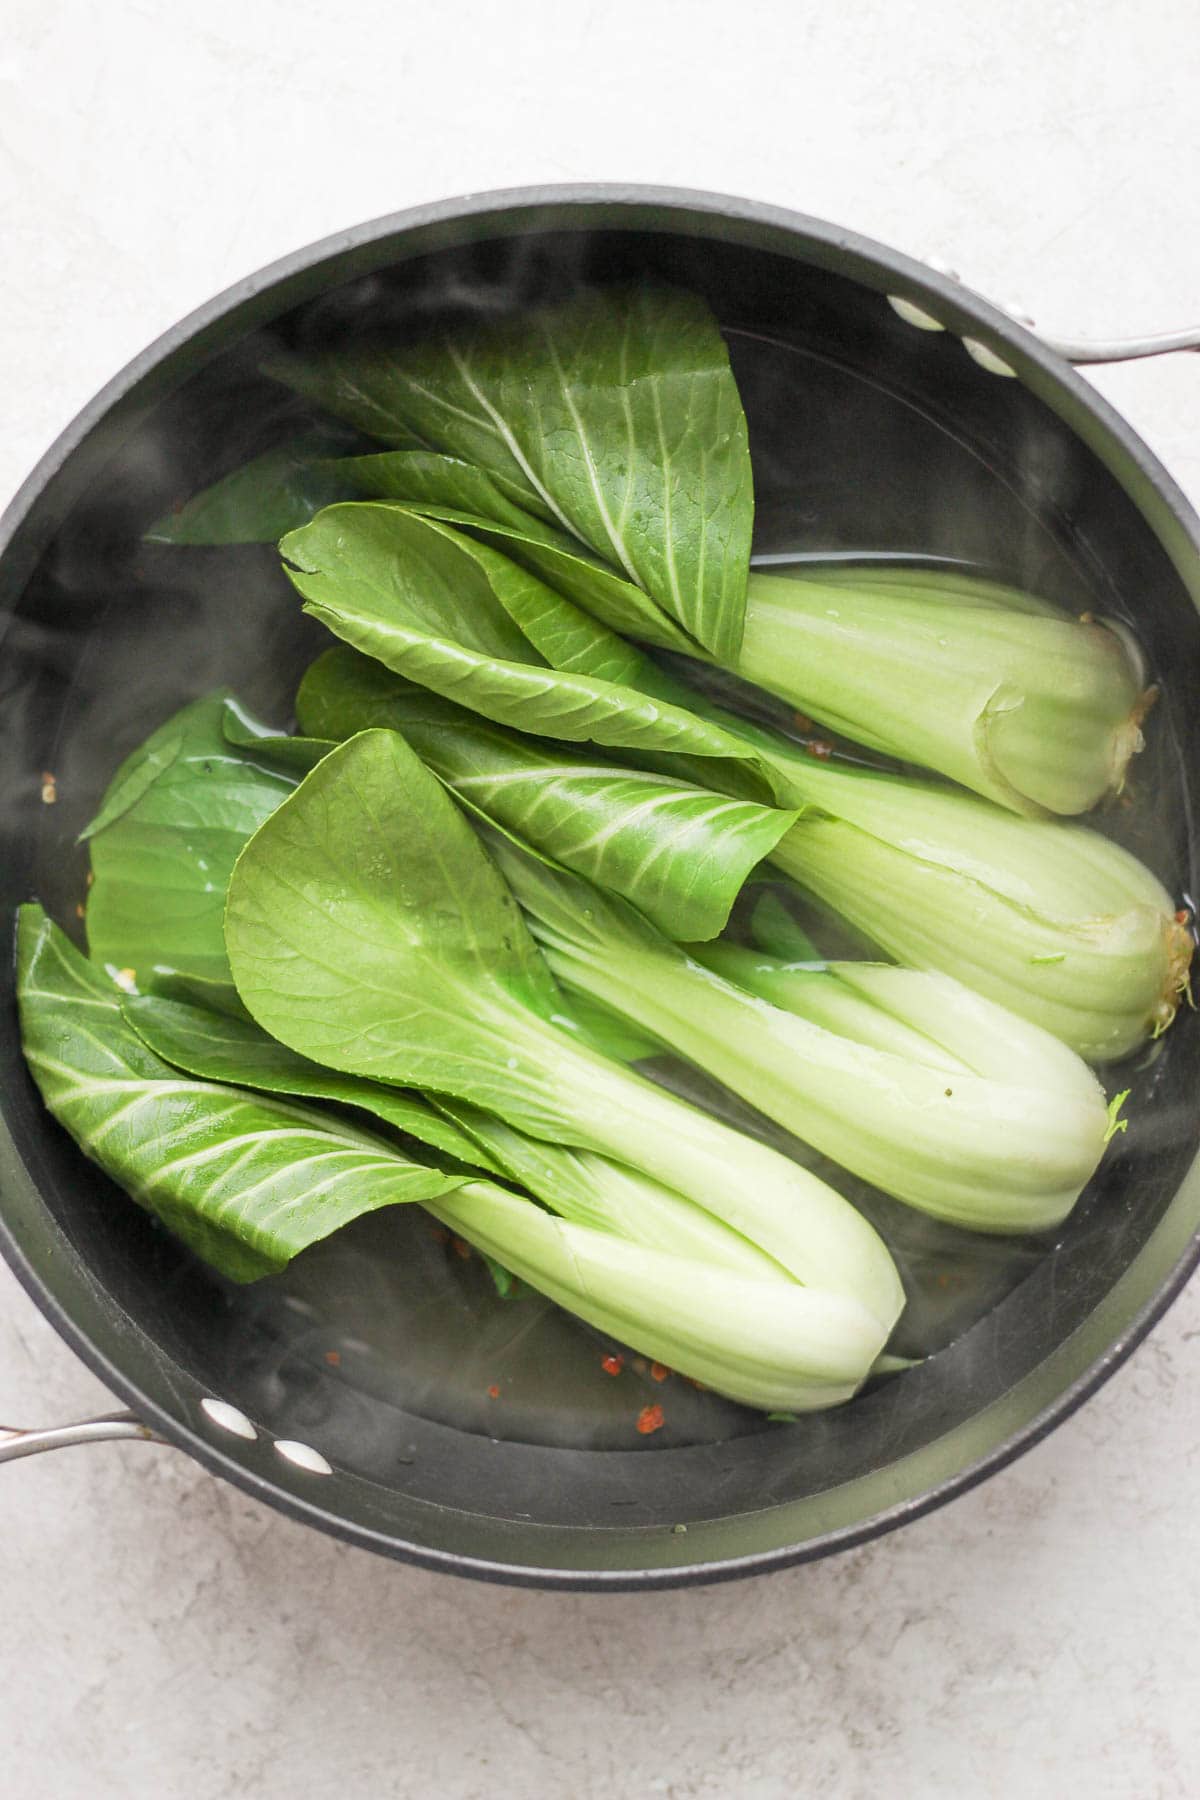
column 228, row 1418
column 303, row 1456
column 914, row 315
column 987, row 359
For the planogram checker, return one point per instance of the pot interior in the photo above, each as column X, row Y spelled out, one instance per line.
column 457, row 1422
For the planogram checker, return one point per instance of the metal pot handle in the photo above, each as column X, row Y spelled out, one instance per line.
column 1072, row 350
column 1116, row 350
column 15, row 1442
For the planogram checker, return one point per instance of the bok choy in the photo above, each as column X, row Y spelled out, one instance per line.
column 249, row 1182
column 368, row 930
column 1000, row 691
column 326, row 968
column 929, row 1091
column 1053, row 921
column 228, row 1046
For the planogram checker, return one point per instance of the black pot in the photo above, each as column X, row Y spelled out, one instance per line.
column 889, row 409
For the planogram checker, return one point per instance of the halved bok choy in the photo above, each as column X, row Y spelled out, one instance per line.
column 248, row 1181
column 910, row 1080
column 997, row 689
column 368, row 930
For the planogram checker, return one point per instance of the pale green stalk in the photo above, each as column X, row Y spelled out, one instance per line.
column 1052, row 921
column 771, row 1344
column 927, row 1090
column 1036, row 709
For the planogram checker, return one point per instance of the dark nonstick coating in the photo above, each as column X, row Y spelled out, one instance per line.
column 379, row 1350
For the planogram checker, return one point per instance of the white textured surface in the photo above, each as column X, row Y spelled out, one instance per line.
column 163, row 1637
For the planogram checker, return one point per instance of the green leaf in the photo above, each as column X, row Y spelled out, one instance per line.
column 258, row 502
column 245, row 1182
column 1115, row 1122
column 425, row 479
column 196, row 990
column 442, row 487
column 293, row 755
column 507, row 1285
column 139, row 772
column 678, row 852
column 775, row 929
column 401, row 953
column 418, row 574
column 164, row 842
column 219, row 1047
column 614, row 416
column 455, row 616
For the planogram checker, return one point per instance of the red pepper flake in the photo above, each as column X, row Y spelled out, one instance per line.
column 612, row 1365
column 700, row 1386
column 333, row 1358
column 821, row 748
column 440, row 1233
column 461, row 1248
column 79, row 912
column 659, row 1371
column 802, row 722
column 493, row 1392
column 49, row 788
column 650, row 1419
column 1182, row 916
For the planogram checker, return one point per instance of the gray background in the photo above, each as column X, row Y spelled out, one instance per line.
column 161, row 1636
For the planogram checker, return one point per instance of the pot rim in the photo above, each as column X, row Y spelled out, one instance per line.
column 965, row 314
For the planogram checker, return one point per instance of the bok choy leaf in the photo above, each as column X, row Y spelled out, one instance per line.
column 614, row 416
column 678, row 852
column 164, row 842
column 261, row 499
column 245, row 1181
column 459, row 618
column 219, row 1046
